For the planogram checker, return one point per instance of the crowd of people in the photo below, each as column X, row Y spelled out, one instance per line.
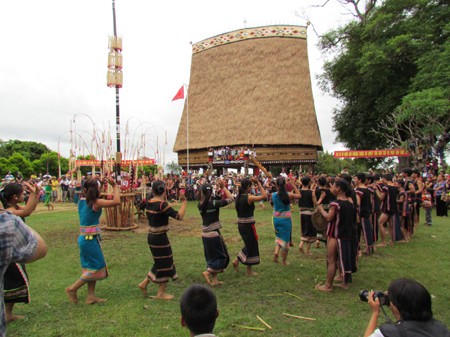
column 359, row 210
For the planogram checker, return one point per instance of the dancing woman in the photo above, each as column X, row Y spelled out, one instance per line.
column 282, row 220
column 245, row 208
column 158, row 213
column 306, row 208
column 341, row 234
column 93, row 262
column 16, row 284
column 216, row 253
column 48, row 195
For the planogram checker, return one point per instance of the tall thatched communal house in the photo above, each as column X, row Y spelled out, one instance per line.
column 250, row 88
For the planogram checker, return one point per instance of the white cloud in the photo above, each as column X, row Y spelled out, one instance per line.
column 54, row 58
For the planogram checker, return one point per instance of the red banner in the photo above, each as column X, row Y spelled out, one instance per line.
column 371, row 153
column 87, row 162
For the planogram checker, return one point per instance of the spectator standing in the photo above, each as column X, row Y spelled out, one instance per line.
column 440, row 192
column 18, row 243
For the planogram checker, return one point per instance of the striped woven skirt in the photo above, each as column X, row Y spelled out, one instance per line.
column 309, row 232
column 16, row 284
column 216, row 253
column 163, row 268
column 249, row 255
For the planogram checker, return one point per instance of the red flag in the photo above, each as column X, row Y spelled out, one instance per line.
column 180, row 94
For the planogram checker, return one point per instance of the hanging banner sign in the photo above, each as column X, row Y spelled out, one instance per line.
column 371, row 153
column 87, row 162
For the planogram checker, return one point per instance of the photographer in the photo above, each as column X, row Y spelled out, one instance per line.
column 410, row 303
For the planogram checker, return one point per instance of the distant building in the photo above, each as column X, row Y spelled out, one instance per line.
column 250, row 88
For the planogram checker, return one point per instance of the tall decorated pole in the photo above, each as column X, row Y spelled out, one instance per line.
column 120, row 217
column 115, row 79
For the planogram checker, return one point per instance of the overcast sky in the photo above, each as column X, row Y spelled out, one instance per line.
column 53, row 63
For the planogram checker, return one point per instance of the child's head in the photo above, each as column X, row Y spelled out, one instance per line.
column 198, row 309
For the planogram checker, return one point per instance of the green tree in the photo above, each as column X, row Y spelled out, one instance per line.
column 389, row 69
column 18, row 163
column 173, row 167
column 30, row 150
column 4, row 168
column 47, row 163
column 330, row 165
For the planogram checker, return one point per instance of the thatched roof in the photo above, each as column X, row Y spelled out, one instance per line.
column 250, row 87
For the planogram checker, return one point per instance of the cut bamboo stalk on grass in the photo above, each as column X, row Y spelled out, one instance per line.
column 299, row 298
column 248, row 327
column 300, row 317
column 263, row 322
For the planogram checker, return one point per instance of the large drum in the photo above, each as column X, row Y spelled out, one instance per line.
column 121, row 217
column 318, row 220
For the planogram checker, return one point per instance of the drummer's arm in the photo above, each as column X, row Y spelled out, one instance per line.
column 318, row 202
column 328, row 216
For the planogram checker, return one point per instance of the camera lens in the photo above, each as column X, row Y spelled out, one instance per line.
column 364, row 295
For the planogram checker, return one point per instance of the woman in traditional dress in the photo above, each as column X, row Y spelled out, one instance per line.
column 93, row 262
column 158, row 213
column 216, row 253
column 403, row 209
column 322, row 188
column 48, row 194
column 16, row 279
column 306, row 209
column 341, row 233
column 245, row 208
column 440, row 193
column 282, row 217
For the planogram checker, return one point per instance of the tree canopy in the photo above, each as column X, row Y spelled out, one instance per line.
column 29, row 150
column 390, row 69
column 29, row 158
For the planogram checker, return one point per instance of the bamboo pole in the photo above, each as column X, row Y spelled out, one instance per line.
column 263, row 322
column 289, row 294
column 248, row 327
column 261, row 167
column 300, row 317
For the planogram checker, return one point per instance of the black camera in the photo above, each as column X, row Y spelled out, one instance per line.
column 382, row 297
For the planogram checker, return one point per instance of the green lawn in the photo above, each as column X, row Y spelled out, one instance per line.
column 340, row 313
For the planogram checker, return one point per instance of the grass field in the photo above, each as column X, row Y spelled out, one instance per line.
column 339, row 313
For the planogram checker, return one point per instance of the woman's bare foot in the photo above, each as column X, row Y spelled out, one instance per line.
column 162, row 297
column 342, row 285
column 72, row 295
column 275, row 258
column 143, row 288
column 383, row 244
column 216, row 283
column 323, row 287
column 251, row 273
column 207, row 275
column 338, row 279
column 12, row 318
column 94, row 300
column 285, row 263
column 317, row 244
column 235, row 264
column 300, row 247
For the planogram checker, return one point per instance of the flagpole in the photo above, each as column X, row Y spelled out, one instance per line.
column 165, row 143
column 187, row 129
